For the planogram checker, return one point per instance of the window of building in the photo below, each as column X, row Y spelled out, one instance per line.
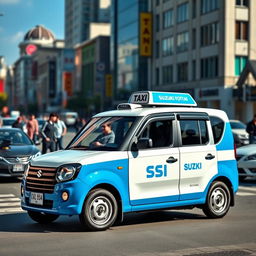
column 194, row 132
column 194, row 70
column 157, row 49
column 193, row 38
column 194, row 9
column 241, row 30
column 168, row 19
column 210, row 34
column 182, row 72
column 157, row 76
column 209, row 6
column 167, row 74
column 167, row 46
column 157, row 22
column 210, row 67
column 240, row 62
column 182, row 12
column 243, row 3
column 182, row 42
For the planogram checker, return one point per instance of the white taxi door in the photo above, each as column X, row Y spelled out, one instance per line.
column 154, row 172
column 198, row 158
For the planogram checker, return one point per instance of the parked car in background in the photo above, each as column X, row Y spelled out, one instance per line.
column 69, row 118
column 240, row 134
column 8, row 122
column 16, row 150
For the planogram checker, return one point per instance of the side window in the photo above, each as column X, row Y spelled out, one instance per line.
column 217, row 128
column 194, row 132
column 160, row 131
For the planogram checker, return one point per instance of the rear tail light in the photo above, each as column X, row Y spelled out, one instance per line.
column 235, row 147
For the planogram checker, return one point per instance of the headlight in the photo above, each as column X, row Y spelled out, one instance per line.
column 25, row 174
column 250, row 158
column 37, row 154
column 67, row 172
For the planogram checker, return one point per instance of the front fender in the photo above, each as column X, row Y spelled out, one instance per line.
column 114, row 173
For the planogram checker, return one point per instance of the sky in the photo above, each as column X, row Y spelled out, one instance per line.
column 17, row 17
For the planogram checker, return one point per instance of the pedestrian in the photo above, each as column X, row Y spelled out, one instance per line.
column 251, row 129
column 18, row 123
column 60, row 131
column 32, row 128
column 48, row 133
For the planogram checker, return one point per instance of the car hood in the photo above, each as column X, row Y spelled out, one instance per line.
column 240, row 132
column 83, row 157
column 19, row 151
column 246, row 150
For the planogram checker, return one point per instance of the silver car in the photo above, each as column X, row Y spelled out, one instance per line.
column 241, row 137
column 246, row 160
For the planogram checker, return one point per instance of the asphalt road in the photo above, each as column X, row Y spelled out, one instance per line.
column 157, row 233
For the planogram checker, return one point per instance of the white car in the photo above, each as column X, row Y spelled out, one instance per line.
column 241, row 137
column 246, row 160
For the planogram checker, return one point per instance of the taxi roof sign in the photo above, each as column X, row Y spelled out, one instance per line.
column 162, row 98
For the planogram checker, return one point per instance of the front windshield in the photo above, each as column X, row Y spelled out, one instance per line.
column 14, row 138
column 104, row 133
column 237, row 125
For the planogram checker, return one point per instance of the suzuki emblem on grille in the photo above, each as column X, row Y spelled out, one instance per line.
column 17, row 159
column 39, row 174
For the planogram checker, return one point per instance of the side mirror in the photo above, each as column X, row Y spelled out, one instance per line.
column 144, row 143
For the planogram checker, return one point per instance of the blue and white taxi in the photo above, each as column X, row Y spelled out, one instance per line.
column 158, row 151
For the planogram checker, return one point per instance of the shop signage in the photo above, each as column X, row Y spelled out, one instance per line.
column 145, row 34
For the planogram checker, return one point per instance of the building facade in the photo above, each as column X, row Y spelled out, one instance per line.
column 196, row 46
column 79, row 15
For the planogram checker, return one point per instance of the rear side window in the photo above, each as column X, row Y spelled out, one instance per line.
column 194, row 132
column 217, row 128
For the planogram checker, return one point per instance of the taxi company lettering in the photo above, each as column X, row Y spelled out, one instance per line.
column 192, row 166
column 156, row 171
column 172, row 98
column 141, row 98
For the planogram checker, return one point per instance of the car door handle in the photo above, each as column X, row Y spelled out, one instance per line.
column 209, row 157
column 171, row 160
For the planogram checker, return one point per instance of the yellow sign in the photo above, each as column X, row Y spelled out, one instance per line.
column 108, row 85
column 145, row 34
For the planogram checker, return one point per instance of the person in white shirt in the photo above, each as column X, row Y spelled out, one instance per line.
column 60, row 131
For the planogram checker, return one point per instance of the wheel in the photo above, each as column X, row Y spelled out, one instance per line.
column 99, row 210
column 42, row 218
column 218, row 200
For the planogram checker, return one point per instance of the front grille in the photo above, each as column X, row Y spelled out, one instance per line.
column 253, row 170
column 16, row 160
column 41, row 179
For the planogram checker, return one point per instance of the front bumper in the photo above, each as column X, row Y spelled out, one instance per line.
column 53, row 203
column 7, row 170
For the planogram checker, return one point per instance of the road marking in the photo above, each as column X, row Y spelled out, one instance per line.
column 9, row 203
column 247, row 188
column 245, row 194
column 6, row 195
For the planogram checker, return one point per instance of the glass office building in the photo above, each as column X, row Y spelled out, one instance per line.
column 129, row 68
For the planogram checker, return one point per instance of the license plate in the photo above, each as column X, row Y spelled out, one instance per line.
column 36, row 198
column 18, row 168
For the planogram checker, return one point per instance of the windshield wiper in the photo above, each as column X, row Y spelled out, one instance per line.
column 78, row 147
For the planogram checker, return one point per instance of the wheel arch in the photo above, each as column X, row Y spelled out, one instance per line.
column 228, row 183
column 116, row 194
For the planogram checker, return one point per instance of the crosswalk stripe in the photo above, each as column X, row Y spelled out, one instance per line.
column 247, row 188
column 9, row 204
column 15, row 199
column 10, row 210
column 6, row 195
column 245, row 194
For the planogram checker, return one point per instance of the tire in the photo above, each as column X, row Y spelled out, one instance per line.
column 42, row 218
column 218, row 200
column 99, row 210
